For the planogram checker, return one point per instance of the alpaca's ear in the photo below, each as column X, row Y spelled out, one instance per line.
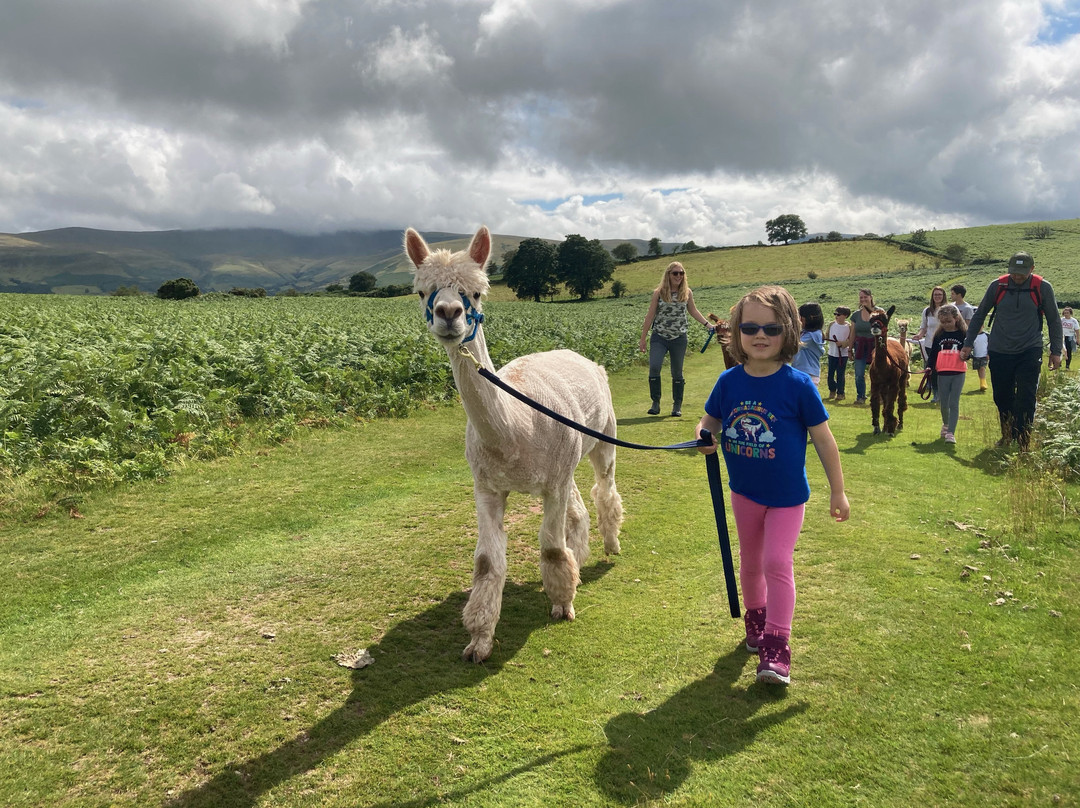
column 480, row 246
column 415, row 247
column 889, row 313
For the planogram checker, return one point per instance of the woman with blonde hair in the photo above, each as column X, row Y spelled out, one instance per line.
column 671, row 301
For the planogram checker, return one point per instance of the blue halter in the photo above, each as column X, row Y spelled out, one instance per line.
column 472, row 316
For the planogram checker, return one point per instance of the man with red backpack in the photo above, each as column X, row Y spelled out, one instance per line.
column 1017, row 304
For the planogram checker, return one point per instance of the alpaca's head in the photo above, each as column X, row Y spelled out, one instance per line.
column 450, row 285
column 879, row 322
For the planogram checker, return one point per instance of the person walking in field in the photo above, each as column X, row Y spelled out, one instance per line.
column 671, row 301
column 861, row 341
column 838, row 337
column 1069, row 330
column 761, row 411
column 1020, row 302
column 948, row 369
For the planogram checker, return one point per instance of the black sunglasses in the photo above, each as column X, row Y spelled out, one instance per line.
column 771, row 330
column 678, row 272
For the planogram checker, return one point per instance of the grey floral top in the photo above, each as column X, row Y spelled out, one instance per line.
column 670, row 319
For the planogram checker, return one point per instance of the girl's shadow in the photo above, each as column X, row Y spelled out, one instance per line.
column 416, row 659
column 652, row 753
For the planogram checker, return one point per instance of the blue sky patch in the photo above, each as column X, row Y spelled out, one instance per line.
column 1061, row 24
column 586, row 200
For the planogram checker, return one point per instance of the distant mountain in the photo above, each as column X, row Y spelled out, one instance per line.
column 78, row 260
column 83, row 260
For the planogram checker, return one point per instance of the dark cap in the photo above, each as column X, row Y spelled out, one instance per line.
column 1021, row 264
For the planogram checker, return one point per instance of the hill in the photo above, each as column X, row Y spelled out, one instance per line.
column 86, row 261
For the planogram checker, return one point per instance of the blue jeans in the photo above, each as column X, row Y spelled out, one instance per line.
column 676, row 348
column 837, row 366
column 860, row 378
column 1015, row 379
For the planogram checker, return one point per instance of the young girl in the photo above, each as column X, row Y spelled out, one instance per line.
column 837, row 338
column 811, row 343
column 1069, row 328
column 947, row 367
column 761, row 412
column 927, row 329
column 980, row 357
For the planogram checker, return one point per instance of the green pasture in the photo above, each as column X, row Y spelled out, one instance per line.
column 173, row 645
column 202, row 503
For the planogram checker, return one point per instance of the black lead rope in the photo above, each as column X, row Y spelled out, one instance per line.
column 712, row 465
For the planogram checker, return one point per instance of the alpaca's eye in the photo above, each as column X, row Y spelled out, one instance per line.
column 475, row 295
column 421, row 294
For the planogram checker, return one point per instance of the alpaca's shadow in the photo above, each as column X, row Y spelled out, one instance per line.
column 415, row 660
column 989, row 461
column 652, row 753
column 867, row 439
column 644, row 419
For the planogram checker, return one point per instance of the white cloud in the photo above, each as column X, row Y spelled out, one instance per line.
column 859, row 116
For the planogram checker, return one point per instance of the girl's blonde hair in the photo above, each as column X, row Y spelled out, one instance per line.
column 950, row 308
column 665, row 284
column 786, row 313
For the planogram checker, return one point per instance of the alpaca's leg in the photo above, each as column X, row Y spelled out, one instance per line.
column 875, row 408
column 558, row 567
column 604, row 494
column 901, row 402
column 489, row 575
column 888, row 407
column 577, row 526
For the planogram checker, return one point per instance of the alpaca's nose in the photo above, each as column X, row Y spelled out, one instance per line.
column 449, row 310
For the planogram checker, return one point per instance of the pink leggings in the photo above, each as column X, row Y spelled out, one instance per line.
column 767, row 539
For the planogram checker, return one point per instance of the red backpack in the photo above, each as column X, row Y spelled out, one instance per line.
column 1035, row 290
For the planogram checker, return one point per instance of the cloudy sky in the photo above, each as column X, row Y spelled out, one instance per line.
column 683, row 119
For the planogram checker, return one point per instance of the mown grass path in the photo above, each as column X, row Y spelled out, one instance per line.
column 174, row 645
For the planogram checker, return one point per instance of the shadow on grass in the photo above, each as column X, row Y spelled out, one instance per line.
column 867, row 439
column 651, row 754
column 416, row 659
column 988, row 461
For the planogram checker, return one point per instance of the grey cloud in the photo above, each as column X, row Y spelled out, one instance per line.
column 321, row 113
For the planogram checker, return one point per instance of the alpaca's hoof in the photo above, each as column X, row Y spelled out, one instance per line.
column 477, row 651
column 877, row 430
column 612, row 547
column 560, row 612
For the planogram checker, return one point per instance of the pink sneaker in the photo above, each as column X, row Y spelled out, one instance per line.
column 950, row 437
column 755, row 628
column 775, row 655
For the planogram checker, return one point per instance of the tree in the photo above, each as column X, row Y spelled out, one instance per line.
column 919, row 237
column 362, row 282
column 178, row 289
column 834, row 235
column 655, row 247
column 584, row 266
column 625, row 252
column 618, row 289
column 784, row 228
column 533, row 269
column 957, row 253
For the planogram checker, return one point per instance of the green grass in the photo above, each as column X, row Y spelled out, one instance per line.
column 170, row 642
column 136, row 664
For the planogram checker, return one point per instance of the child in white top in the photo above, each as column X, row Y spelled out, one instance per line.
column 1069, row 328
column 836, row 337
column 980, row 357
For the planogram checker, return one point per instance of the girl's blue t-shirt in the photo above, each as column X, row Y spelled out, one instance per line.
column 764, row 429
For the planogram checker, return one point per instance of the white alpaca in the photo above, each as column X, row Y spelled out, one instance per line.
column 512, row 447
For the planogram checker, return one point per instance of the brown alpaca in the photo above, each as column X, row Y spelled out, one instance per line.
column 723, row 336
column 888, row 374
